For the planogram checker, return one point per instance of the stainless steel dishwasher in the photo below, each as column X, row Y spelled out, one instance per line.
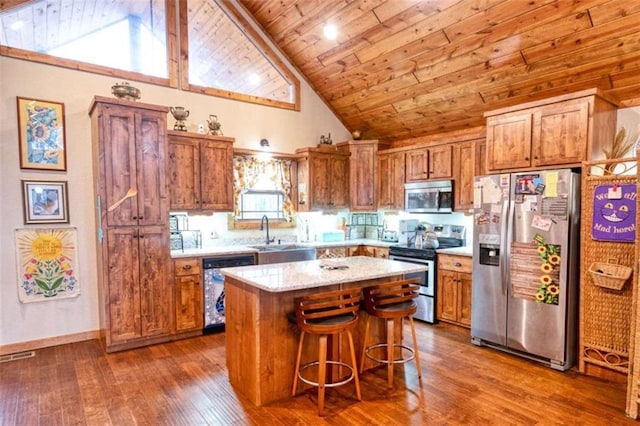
column 214, row 288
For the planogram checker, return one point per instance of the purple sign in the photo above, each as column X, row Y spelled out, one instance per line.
column 614, row 213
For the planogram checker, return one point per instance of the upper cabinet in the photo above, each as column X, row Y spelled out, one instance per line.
column 464, row 156
column 131, row 163
column 391, row 179
column 429, row 163
column 200, row 171
column 363, row 166
column 323, row 179
column 561, row 131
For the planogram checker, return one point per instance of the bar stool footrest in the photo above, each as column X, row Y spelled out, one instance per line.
column 328, row 384
column 395, row 361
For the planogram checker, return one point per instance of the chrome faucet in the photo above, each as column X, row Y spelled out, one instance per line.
column 267, row 239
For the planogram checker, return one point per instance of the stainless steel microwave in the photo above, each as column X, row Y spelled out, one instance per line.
column 429, row 197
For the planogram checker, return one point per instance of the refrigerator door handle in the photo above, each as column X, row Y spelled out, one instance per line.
column 506, row 227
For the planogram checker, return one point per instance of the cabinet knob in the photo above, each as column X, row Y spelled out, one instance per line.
column 457, row 264
column 526, row 158
column 135, row 218
column 186, row 267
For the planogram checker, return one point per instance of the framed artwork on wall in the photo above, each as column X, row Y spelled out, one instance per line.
column 45, row 201
column 41, row 131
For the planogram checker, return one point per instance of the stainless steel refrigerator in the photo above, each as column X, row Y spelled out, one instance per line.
column 525, row 264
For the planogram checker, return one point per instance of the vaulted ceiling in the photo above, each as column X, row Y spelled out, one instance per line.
column 409, row 68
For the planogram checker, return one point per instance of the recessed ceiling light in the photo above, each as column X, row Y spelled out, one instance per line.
column 330, row 31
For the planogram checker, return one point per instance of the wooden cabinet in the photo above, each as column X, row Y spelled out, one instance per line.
column 371, row 251
column 362, row 169
column 454, row 289
column 561, row 131
column 391, row 179
column 429, row 163
column 323, row 179
column 467, row 157
column 134, row 265
column 201, row 171
column 187, row 278
column 381, row 252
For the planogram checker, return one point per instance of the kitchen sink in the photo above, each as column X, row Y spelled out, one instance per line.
column 279, row 253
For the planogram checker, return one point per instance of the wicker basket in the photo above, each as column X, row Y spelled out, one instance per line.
column 609, row 275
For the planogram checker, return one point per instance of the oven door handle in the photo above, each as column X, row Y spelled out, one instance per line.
column 410, row 259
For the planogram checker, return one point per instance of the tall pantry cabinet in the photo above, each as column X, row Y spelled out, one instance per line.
column 134, row 262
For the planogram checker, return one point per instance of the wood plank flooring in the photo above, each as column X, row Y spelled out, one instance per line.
column 185, row 383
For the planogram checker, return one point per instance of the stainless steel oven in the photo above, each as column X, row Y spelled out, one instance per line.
column 426, row 297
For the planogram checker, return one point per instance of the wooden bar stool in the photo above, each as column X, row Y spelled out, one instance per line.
column 327, row 314
column 392, row 301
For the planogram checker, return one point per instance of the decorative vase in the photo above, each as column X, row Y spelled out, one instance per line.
column 180, row 114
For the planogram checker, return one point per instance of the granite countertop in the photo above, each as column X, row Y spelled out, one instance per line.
column 461, row 251
column 281, row 277
column 223, row 250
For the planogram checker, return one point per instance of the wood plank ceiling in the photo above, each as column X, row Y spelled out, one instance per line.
column 401, row 69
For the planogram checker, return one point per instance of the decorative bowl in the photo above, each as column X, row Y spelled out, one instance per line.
column 125, row 91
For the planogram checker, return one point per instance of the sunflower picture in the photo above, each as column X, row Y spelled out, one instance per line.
column 41, row 131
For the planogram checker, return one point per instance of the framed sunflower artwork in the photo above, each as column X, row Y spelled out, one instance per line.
column 41, row 130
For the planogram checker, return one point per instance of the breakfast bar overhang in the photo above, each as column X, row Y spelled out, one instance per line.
column 261, row 342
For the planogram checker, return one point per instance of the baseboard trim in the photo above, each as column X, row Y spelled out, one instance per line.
column 50, row 341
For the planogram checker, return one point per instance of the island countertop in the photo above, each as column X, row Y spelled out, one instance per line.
column 283, row 277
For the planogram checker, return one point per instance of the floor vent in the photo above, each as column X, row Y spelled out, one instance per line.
column 19, row 355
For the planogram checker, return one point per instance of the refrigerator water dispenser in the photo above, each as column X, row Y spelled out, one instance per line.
column 489, row 255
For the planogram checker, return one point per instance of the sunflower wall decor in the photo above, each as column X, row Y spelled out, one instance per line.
column 42, row 134
column 47, row 260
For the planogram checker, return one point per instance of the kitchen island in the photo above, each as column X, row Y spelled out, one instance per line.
column 261, row 342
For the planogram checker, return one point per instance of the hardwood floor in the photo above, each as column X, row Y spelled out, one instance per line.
column 185, row 383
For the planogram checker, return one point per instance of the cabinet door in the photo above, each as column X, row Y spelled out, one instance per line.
column 560, row 133
column 465, row 159
column 447, row 295
column 118, row 167
column 184, row 174
column 338, row 175
column 156, row 295
column 151, row 150
column 367, row 251
column 362, row 191
column 464, row 299
column 417, row 164
column 440, row 164
column 391, row 180
column 481, row 157
column 216, row 176
column 382, row 253
column 188, row 302
column 509, row 141
column 319, row 176
column 122, row 285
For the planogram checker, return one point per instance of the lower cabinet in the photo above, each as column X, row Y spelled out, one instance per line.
column 136, row 285
column 187, row 276
column 454, row 289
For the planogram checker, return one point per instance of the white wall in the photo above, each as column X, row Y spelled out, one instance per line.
column 248, row 123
